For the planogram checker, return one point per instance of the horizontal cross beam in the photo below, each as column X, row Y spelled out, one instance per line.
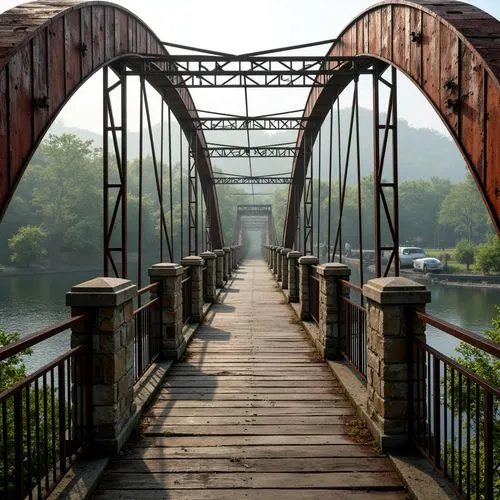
column 242, row 123
column 247, row 179
column 252, row 152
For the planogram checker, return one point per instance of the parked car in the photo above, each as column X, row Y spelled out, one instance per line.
column 408, row 254
column 428, row 265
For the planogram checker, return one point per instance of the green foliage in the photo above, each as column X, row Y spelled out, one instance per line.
column 488, row 256
column 28, row 245
column 464, row 211
column 464, row 253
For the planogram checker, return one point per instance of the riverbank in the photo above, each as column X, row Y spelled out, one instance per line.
column 446, row 279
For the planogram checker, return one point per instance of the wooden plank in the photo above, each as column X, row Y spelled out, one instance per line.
column 217, row 389
column 340, row 480
column 240, row 430
column 72, row 53
column 156, row 419
column 245, row 403
column 256, row 451
column 250, row 494
column 235, row 464
column 259, row 396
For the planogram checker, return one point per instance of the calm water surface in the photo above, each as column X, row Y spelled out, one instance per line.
column 29, row 303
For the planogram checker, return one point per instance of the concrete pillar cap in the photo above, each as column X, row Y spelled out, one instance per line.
column 226, row 249
column 308, row 260
column 192, row 260
column 208, row 255
column 165, row 270
column 294, row 254
column 333, row 269
column 219, row 252
column 284, row 251
column 396, row 290
column 101, row 292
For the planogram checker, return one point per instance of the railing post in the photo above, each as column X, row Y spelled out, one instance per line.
column 271, row 257
column 304, row 263
column 227, row 266
column 210, row 258
column 389, row 340
column 284, row 267
column 195, row 264
column 233, row 259
column 330, row 307
column 275, row 261
column 293, row 276
column 219, row 268
column 166, row 320
column 279, row 273
column 108, row 303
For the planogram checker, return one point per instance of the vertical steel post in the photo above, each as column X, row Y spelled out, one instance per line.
column 193, row 198
column 376, row 175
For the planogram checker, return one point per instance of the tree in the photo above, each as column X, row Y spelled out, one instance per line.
column 488, row 256
column 27, row 245
column 464, row 211
column 464, row 253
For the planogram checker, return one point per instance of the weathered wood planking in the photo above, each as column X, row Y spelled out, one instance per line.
column 449, row 50
column 226, row 427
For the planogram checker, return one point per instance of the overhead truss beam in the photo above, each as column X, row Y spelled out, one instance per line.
column 247, row 179
column 252, row 152
column 248, row 71
column 284, row 123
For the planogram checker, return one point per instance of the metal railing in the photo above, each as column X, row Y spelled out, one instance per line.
column 353, row 327
column 146, row 345
column 187, row 284
column 455, row 415
column 314, row 294
column 45, row 417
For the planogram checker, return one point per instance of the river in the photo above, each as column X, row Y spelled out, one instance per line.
column 29, row 303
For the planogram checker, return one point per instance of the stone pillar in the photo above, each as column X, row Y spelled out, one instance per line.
column 284, row 268
column 331, row 310
column 195, row 264
column 108, row 303
column 270, row 261
column 219, row 268
column 210, row 261
column 233, row 258
column 275, row 261
column 304, row 263
column 167, row 314
column 293, row 276
column 390, row 330
column 278, row 264
column 227, row 268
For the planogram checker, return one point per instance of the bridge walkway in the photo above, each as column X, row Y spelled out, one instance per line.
column 251, row 412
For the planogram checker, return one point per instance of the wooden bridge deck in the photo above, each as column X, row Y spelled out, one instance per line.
column 250, row 413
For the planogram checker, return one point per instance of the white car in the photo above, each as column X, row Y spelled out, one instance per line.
column 408, row 254
column 428, row 265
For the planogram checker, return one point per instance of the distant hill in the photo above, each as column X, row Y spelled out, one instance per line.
column 423, row 153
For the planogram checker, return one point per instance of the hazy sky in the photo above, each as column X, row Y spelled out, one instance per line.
column 238, row 27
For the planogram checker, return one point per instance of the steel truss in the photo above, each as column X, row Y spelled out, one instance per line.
column 248, row 71
column 193, row 199
column 308, row 199
column 251, row 152
column 385, row 182
column 115, row 182
column 248, row 179
column 242, row 123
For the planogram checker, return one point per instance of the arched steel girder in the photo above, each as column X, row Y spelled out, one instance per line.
column 48, row 49
column 450, row 52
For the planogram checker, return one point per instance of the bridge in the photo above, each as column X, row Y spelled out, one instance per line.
column 235, row 369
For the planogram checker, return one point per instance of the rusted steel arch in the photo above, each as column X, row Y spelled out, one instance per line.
column 48, row 49
column 453, row 57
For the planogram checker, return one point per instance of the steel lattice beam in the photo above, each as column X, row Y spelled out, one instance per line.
column 247, row 179
column 252, row 152
column 248, row 71
column 242, row 123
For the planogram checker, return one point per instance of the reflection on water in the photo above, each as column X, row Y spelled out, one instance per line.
column 29, row 303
